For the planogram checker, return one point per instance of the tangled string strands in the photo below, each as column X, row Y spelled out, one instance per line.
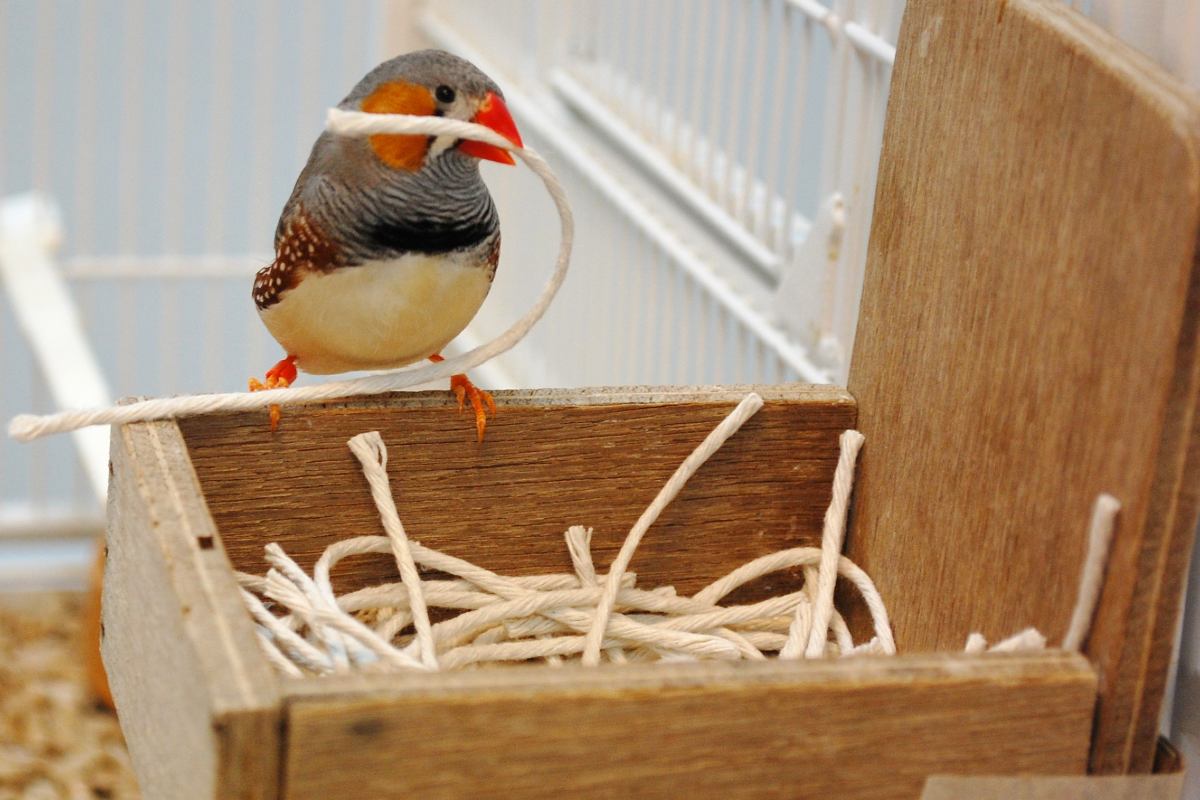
column 584, row 616
column 26, row 427
column 545, row 617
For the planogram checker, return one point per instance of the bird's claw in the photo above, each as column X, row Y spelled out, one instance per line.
column 280, row 376
column 482, row 402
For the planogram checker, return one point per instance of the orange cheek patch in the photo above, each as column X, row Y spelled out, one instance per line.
column 400, row 152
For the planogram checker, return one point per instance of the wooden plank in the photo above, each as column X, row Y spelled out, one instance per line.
column 1058, row 787
column 860, row 728
column 199, row 706
column 551, row 459
column 1028, row 340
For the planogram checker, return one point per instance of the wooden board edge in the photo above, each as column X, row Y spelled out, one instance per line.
column 1054, row 787
column 1049, row 665
column 605, row 395
column 1172, row 520
column 1174, row 100
column 213, row 656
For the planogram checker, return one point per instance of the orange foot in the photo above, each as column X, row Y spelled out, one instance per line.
column 481, row 401
column 280, row 376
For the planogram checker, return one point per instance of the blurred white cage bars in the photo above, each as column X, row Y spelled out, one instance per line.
column 720, row 153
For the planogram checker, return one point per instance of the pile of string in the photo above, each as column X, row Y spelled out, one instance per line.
column 306, row 628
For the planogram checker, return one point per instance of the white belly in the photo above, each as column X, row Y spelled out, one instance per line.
column 379, row 315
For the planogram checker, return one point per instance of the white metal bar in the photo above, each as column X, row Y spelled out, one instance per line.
column 311, row 103
column 862, row 38
column 694, row 168
column 711, row 183
column 214, row 344
column 813, row 9
column 652, row 162
column 126, row 339
column 780, row 37
column 744, row 207
column 132, row 125
column 662, row 97
column 44, row 95
column 835, row 116
column 4, row 25
column 42, row 306
column 176, row 109
column 870, row 43
column 175, row 267
column 736, row 97
column 83, row 228
column 167, row 342
column 217, row 157
column 49, row 525
column 792, row 161
column 644, row 107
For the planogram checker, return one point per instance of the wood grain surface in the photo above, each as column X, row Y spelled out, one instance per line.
column 198, row 704
column 551, row 459
column 1028, row 339
column 1057, row 787
column 861, row 728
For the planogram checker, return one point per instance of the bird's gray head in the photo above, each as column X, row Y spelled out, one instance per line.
column 432, row 82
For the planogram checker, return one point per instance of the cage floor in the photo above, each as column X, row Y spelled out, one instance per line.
column 54, row 741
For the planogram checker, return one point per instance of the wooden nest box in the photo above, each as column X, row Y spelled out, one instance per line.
column 1028, row 339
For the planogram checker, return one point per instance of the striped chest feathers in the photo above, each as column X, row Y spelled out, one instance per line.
column 377, row 315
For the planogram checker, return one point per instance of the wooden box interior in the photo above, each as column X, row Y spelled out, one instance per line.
column 206, row 715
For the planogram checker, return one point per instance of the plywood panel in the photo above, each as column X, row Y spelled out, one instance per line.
column 1028, row 340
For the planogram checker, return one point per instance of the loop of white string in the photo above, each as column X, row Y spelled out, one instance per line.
column 26, row 427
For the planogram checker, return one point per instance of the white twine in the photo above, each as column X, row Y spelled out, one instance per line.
column 583, row 615
column 369, row 449
column 1091, row 579
column 831, row 542
column 711, row 444
column 26, row 427
column 1100, row 531
column 549, row 617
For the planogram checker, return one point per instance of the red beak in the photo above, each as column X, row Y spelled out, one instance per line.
column 493, row 114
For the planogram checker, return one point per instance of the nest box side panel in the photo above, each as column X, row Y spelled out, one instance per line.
column 552, row 458
column 855, row 728
column 199, row 705
column 1027, row 340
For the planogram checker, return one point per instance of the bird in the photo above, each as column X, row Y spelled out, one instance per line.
column 388, row 244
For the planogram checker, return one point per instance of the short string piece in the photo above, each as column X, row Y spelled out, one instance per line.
column 1091, row 579
column 27, row 427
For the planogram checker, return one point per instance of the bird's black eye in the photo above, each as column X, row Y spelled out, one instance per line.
column 445, row 94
